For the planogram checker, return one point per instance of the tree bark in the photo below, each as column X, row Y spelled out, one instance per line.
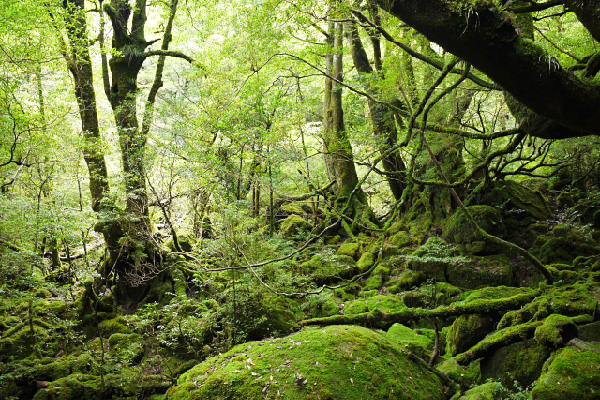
column 560, row 105
column 382, row 118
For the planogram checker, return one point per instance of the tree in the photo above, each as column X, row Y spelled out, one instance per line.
column 556, row 102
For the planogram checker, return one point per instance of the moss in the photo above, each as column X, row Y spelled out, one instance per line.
column 401, row 239
column 348, row 249
column 110, row 326
column 589, row 332
column 487, row 391
column 466, row 331
column 571, row 374
column 521, row 362
column 492, row 270
column 377, row 302
column 128, row 348
column 466, row 376
column 497, row 292
column 20, row 342
column 326, row 268
column 518, row 205
column 293, row 225
column 72, row 387
column 335, row 362
column 409, row 339
column 556, row 330
column 461, row 231
column 409, row 278
column 366, row 261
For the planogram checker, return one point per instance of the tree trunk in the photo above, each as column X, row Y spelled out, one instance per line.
column 382, row 118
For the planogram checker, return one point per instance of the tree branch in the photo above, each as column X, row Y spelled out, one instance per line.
column 167, row 53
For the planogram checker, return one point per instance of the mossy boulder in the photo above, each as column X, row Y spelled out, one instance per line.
column 521, row 362
column 466, row 331
column 564, row 244
column 400, row 239
column 115, row 325
column 349, row 249
column 519, row 205
column 406, row 280
column 481, row 271
column 589, row 332
column 418, row 344
column 570, row 374
column 129, row 348
column 487, row 391
column 336, row 362
column 326, row 268
column 462, row 232
column 73, row 387
column 556, row 330
column 465, row 375
column 293, row 225
column 377, row 302
column 366, row 261
column 434, row 258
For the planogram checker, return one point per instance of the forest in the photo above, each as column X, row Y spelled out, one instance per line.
column 284, row 199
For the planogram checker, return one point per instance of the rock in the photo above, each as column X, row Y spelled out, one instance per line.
column 518, row 205
column 570, row 374
column 127, row 347
column 466, row 331
column 348, row 249
column 461, row 231
column 409, row 339
column 293, row 225
column 433, row 258
column 590, row 332
column 556, row 330
column 336, row 362
column 366, row 261
column 493, row 270
column 376, row 302
column 487, row 391
column 401, row 239
column 116, row 325
column 521, row 362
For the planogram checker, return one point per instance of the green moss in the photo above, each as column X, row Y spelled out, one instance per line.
column 571, row 374
column 401, row 239
column 521, row 362
column 487, row 391
column 465, row 375
column 466, row 331
column 325, row 268
column 129, row 348
column 335, row 362
column 293, row 225
column 110, row 326
column 409, row 339
column 461, row 231
column 348, row 249
column 366, row 261
column 377, row 302
column 72, row 387
column 492, row 270
column 556, row 330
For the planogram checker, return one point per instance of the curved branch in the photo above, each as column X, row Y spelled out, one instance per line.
column 486, row 38
column 167, row 53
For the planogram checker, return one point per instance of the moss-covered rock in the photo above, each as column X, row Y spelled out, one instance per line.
column 465, row 375
column 487, row 391
column 337, row 362
column 401, row 239
column 521, row 362
column 556, row 330
column 570, row 374
column 349, row 249
column 481, row 271
column 114, row 325
column 462, row 232
column 327, row 268
column 293, row 225
column 518, row 205
column 73, row 387
column 434, row 258
column 129, row 348
column 589, row 332
column 408, row 279
column 418, row 344
column 366, row 261
column 376, row 302
column 466, row 331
